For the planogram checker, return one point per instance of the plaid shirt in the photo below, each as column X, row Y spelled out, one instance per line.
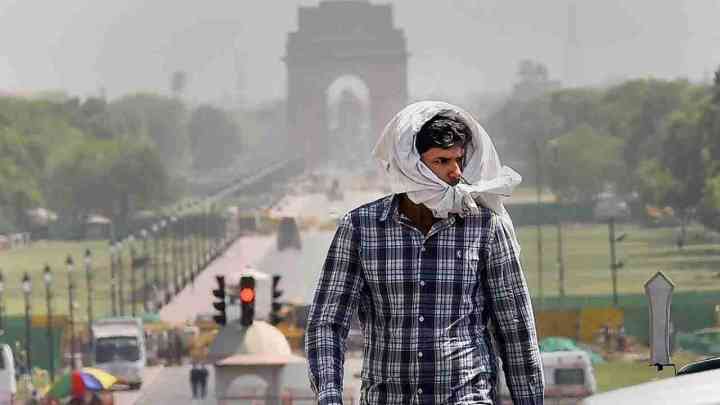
column 424, row 303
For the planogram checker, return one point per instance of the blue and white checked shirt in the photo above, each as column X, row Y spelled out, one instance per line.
column 424, row 303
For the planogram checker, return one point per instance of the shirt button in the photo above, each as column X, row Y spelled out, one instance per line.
column 422, row 283
column 422, row 249
column 420, row 354
column 422, row 318
column 419, row 391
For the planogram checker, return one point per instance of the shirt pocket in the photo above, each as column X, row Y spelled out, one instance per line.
column 385, row 276
column 467, row 260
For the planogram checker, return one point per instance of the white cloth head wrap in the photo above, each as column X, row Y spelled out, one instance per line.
column 490, row 181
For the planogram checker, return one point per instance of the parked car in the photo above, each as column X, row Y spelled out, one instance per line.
column 288, row 234
column 8, row 383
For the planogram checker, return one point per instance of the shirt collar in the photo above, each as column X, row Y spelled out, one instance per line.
column 392, row 201
column 390, row 205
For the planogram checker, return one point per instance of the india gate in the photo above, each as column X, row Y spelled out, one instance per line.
column 337, row 39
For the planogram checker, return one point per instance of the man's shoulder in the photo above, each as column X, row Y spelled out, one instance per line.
column 484, row 217
column 373, row 210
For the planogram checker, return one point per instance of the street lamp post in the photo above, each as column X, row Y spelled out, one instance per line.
column 121, row 279
column 133, row 299
column 173, row 253
column 146, row 290
column 27, row 288
column 47, row 276
column 208, row 241
column 610, row 208
column 2, row 302
column 71, row 310
column 538, row 185
column 164, row 261
column 183, row 249
column 560, row 255
column 156, row 268
column 113, row 279
column 89, row 281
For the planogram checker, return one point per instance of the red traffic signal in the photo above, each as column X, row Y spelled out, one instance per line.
column 247, row 300
column 247, row 295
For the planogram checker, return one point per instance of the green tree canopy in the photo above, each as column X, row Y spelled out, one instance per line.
column 582, row 163
column 214, row 136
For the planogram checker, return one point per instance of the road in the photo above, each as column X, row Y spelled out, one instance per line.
column 172, row 387
column 299, row 270
column 150, row 375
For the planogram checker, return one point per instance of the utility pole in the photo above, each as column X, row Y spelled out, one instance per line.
column 558, row 221
column 614, row 266
column 538, row 185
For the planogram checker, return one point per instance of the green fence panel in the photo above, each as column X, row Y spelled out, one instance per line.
column 527, row 214
column 14, row 331
column 690, row 310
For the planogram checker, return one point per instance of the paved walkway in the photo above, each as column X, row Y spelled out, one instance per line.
column 197, row 298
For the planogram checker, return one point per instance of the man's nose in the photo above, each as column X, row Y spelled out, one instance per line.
column 455, row 172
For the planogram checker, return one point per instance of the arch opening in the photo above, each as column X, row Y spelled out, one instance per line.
column 348, row 122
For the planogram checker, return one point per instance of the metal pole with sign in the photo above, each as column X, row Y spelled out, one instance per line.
column 659, row 290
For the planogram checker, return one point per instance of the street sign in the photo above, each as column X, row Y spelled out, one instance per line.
column 659, row 290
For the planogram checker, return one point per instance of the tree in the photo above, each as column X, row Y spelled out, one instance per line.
column 533, row 80
column 161, row 120
column 584, row 162
column 214, row 136
column 110, row 177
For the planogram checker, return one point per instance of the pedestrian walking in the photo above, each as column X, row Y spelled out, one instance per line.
column 434, row 271
column 195, row 380
column 203, row 375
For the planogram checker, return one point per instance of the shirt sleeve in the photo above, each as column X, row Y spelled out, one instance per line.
column 335, row 301
column 511, row 312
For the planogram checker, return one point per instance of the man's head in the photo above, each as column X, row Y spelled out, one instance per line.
column 441, row 144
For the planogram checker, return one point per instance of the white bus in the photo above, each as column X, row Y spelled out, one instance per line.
column 119, row 348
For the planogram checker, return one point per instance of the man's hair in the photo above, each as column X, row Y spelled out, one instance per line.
column 442, row 131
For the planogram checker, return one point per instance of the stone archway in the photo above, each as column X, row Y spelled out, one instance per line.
column 334, row 39
column 348, row 122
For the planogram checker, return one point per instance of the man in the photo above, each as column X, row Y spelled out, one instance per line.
column 203, row 374
column 431, row 269
column 195, row 381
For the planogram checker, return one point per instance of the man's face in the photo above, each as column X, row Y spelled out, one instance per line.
column 445, row 163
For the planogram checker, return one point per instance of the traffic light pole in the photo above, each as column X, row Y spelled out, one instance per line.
column 220, row 304
column 276, row 306
column 247, row 300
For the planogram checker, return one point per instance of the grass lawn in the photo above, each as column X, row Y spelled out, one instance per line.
column 14, row 263
column 644, row 252
column 623, row 373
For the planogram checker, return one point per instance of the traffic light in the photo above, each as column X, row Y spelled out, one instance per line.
column 276, row 306
column 220, row 305
column 247, row 300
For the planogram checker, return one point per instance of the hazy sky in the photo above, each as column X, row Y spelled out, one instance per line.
column 457, row 47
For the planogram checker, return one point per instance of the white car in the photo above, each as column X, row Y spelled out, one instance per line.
column 702, row 388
